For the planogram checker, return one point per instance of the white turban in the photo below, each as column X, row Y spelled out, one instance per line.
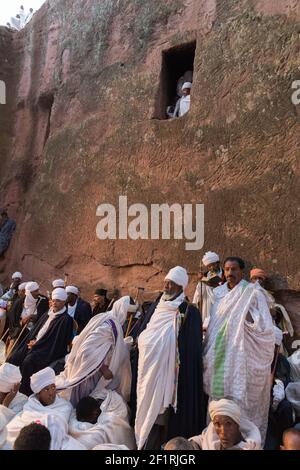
column 72, row 290
column 186, row 85
column 17, row 275
column 42, row 379
column 22, row 286
column 225, row 407
column 58, row 283
column 179, row 276
column 31, row 286
column 59, row 294
column 210, row 257
column 9, row 376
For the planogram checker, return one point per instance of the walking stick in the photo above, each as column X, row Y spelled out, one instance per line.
column 129, row 329
column 4, row 334
column 275, row 360
column 15, row 343
column 201, row 291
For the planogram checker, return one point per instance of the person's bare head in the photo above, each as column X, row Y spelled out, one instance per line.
column 179, row 443
column 234, row 270
column 291, row 439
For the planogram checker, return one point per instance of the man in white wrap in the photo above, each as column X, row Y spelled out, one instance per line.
column 99, row 357
column 11, row 400
column 46, row 343
column 239, row 346
column 204, row 296
column 46, row 408
column 227, row 429
column 169, row 381
column 111, row 427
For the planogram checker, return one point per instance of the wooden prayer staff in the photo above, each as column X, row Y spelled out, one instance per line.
column 275, row 360
column 201, row 290
column 3, row 336
column 10, row 350
column 133, row 313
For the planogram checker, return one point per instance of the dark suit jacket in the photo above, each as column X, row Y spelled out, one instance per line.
column 83, row 314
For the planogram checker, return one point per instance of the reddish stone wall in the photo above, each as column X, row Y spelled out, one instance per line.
column 86, row 82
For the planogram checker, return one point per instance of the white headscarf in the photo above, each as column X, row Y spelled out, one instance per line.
column 179, row 276
column 210, row 257
column 58, row 283
column 22, row 286
column 187, row 85
column 42, row 379
column 17, row 275
column 9, row 376
column 72, row 290
column 225, row 407
column 59, row 294
column 30, row 302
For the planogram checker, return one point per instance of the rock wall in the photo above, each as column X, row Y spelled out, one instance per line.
column 79, row 131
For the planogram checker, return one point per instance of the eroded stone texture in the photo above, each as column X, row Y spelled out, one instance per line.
column 78, row 131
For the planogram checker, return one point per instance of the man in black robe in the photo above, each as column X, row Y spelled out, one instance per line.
column 47, row 342
column 100, row 302
column 189, row 418
column 78, row 308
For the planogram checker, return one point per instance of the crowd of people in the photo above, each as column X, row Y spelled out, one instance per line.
column 124, row 373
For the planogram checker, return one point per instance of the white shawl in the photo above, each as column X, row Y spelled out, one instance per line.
column 157, row 371
column 112, row 426
column 209, row 439
column 33, row 410
column 91, row 347
column 238, row 354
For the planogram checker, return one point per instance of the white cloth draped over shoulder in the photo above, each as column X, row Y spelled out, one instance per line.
column 158, row 367
column 112, row 426
column 207, row 294
column 15, row 407
column 238, row 354
column 33, row 411
column 209, row 439
column 102, row 335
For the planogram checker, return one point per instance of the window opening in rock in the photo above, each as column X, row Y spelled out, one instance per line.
column 177, row 69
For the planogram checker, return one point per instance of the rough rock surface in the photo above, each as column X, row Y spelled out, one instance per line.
column 78, row 130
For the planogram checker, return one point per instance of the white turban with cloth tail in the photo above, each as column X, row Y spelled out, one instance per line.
column 9, row 376
column 31, row 287
column 72, row 290
column 42, row 379
column 58, row 283
column 225, row 407
column 186, row 85
column 17, row 275
column 178, row 275
column 59, row 294
column 210, row 257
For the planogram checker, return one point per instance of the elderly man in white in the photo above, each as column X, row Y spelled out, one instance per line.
column 169, row 382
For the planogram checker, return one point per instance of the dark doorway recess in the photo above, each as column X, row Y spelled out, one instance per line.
column 175, row 62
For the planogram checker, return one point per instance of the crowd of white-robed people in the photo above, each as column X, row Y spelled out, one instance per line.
column 174, row 375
